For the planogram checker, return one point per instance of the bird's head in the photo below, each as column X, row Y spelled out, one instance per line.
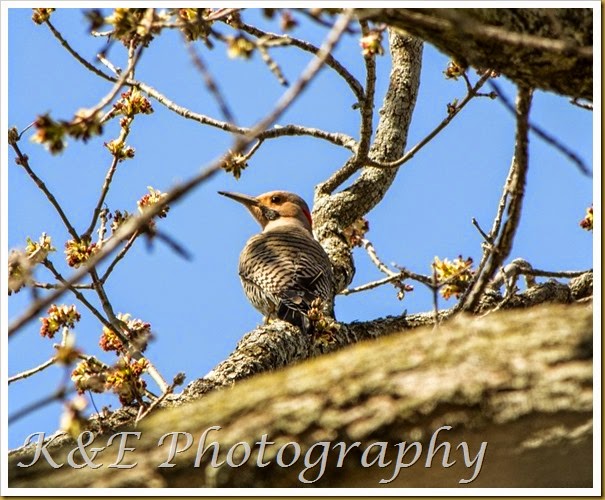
column 276, row 208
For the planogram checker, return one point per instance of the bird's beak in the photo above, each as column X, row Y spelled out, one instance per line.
column 244, row 199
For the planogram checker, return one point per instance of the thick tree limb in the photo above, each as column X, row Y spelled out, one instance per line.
column 520, row 381
column 550, row 49
column 334, row 212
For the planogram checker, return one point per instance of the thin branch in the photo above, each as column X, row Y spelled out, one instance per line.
column 392, row 277
column 545, row 136
column 221, row 13
column 369, row 247
column 514, row 191
column 178, row 380
column 72, row 288
column 76, row 55
column 272, row 64
column 303, row 81
column 53, row 286
column 486, row 237
column 23, row 160
column 372, row 284
column 584, row 105
column 211, row 83
column 435, row 292
column 446, row 121
column 104, row 190
column 58, row 395
column 287, row 40
column 322, row 22
column 119, row 327
column 134, row 56
column 278, row 131
column 106, row 62
column 367, row 104
column 366, row 127
column 120, row 255
column 556, row 274
column 33, row 371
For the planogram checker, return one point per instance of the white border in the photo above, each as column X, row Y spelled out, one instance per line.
column 596, row 6
column 4, row 246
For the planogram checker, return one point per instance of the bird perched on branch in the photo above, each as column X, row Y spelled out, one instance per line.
column 284, row 269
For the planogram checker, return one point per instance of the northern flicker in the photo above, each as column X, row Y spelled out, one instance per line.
column 284, row 269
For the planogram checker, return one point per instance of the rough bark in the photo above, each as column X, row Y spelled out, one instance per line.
column 519, row 380
column 550, row 49
column 334, row 212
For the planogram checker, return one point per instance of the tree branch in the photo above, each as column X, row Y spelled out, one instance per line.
column 514, row 191
column 334, row 212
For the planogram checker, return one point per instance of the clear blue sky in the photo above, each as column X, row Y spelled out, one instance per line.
column 197, row 309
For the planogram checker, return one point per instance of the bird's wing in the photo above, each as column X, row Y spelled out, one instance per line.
column 288, row 271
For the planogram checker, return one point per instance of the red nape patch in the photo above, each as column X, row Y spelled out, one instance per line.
column 308, row 216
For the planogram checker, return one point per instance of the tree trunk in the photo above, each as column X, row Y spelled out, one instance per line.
column 518, row 380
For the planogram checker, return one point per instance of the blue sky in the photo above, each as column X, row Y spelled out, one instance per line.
column 197, row 309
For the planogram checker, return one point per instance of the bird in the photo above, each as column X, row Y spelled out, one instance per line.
column 284, row 269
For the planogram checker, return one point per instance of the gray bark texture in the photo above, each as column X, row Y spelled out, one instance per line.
column 519, row 380
column 334, row 212
column 549, row 49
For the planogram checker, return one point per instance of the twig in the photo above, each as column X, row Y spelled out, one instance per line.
column 58, row 395
column 33, row 371
column 174, row 245
column 221, row 13
column 369, row 247
column 556, row 274
column 52, row 286
column 286, row 40
column 391, row 276
column 178, row 380
column 106, row 62
column 367, row 104
column 435, row 289
column 366, row 126
column 278, row 131
column 118, row 326
column 120, row 255
column 322, row 22
column 25, row 130
column 545, row 136
column 487, row 238
column 372, row 284
column 104, row 190
column 446, row 121
column 210, row 83
column 583, row 105
column 102, row 226
column 23, row 160
column 305, row 78
column 72, row 288
column 134, row 56
column 515, row 188
column 76, row 55
column 271, row 64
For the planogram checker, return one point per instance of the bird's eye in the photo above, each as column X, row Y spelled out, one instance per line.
column 276, row 199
